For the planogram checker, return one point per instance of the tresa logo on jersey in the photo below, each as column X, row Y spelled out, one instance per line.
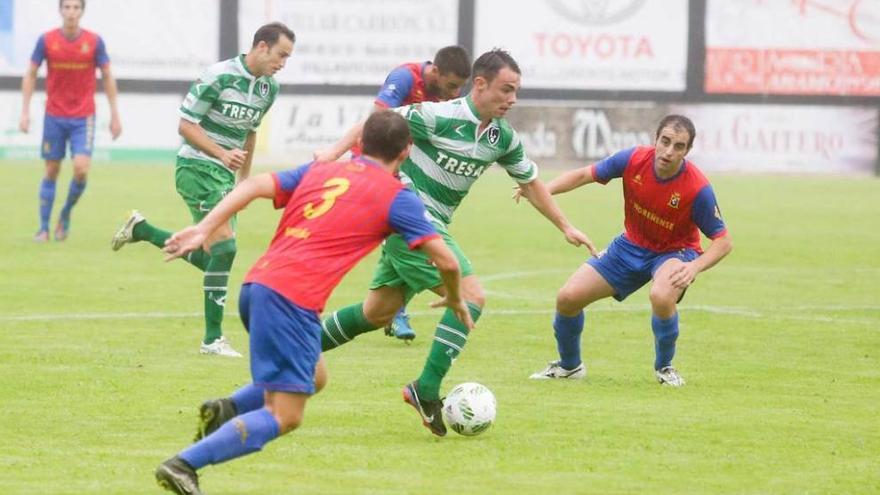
column 459, row 167
column 235, row 111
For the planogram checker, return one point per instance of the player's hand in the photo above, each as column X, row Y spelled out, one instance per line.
column 325, row 155
column 115, row 127
column 458, row 307
column 518, row 194
column 234, row 158
column 578, row 238
column 184, row 242
column 683, row 275
column 24, row 123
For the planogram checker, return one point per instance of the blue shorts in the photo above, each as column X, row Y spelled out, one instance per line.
column 627, row 267
column 57, row 131
column 285, row 340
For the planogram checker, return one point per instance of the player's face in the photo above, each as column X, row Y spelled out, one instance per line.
column 448, row 86
column 494, row 99
column 671, row 147
column 272, row 59
column 71, row 12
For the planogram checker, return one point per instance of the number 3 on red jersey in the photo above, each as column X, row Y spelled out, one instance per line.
column 337, row 186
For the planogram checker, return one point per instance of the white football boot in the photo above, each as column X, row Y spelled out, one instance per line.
column 125, row 234
column 554, row 370
column 668, row 375
column 220, row 347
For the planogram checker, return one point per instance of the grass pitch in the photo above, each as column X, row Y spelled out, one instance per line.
column 100, row 375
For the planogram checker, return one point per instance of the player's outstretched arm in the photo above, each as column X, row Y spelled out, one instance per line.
column 541, row 199
column 450, row 273
column 344, row 144
column 111, row 91
column 569, row 180
column 192, row 238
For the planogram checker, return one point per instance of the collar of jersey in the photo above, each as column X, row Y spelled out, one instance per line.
column 244, row 66
column 473, row 108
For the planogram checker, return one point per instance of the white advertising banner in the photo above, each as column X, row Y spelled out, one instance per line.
column 793, row 47
column 160, row 39
column 352, row 41
column 590, row 44
column 298, row 125
column 735, row 138
column 784, row 139
column 149, row 127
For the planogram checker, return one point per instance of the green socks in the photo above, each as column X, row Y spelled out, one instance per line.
column 449, row 339
column 146, row 232
column 157, row 237
column 216, row 281
column 344, row 325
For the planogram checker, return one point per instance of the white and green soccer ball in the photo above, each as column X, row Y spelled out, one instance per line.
column 469, row 409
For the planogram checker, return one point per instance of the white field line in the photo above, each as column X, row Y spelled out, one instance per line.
column 768, row 313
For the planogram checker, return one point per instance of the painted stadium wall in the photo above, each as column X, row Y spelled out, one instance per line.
column 797, row 91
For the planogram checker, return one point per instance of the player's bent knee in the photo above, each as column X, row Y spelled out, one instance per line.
column 288, row 420
column 663, row 297
column 568, row 303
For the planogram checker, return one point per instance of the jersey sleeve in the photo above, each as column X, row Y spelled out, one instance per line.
column 202, row 95
column 286, row 183
column 101, row 57
column 515, row 162
column 612, row 167
column 421, row 120
column 408, row 218
column 706, row 214
column 39, row 53
column 396, row 87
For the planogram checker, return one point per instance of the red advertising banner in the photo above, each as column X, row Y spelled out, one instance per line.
column 777, row 71
column 794, row 47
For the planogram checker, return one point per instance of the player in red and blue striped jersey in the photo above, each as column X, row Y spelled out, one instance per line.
column 668, row 202
column 335, row 213
column 440, row 80
column 72, row 54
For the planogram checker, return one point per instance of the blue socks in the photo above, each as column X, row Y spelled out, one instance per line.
column 73, row 194
column 248, row 398
column 241, row 435
column 47, row 198
column 665, row 335
column 568, row 331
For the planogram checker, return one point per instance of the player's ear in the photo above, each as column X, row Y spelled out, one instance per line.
column 404, row 154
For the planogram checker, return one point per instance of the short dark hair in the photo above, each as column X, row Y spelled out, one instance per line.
column 82, row 3
column 385, row 135
column 271, row 32
column 679, row 123
column 489, row 64
column 454, row 59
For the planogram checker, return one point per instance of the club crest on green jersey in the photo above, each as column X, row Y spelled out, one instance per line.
column 264, row 89
column 494, row 135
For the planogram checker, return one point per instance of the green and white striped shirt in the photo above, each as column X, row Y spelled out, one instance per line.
column 228, row 102
column 450, row 153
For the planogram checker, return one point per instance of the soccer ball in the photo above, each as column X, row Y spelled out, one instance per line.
column 469, row 409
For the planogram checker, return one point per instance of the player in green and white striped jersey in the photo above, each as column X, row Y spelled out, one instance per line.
column 454, row 143
column 218, row 121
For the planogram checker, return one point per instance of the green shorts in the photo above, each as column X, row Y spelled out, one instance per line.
column 202, row 184
column 412, row 270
